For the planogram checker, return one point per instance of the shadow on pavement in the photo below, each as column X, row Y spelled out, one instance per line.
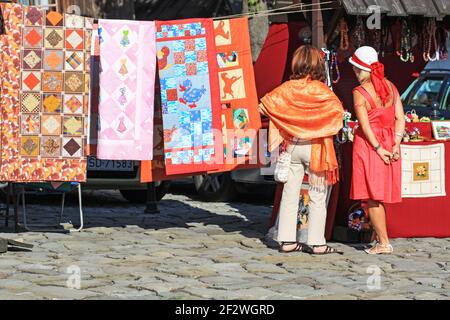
column 109, row 209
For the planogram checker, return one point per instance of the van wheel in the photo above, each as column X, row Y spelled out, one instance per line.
column 217, row 187
column 140, row 196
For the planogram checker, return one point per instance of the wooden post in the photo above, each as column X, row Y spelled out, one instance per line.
column 318, row 39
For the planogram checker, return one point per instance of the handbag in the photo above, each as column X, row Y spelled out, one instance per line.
column 282, row 166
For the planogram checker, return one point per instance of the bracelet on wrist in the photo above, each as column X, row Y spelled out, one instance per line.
column 377, row 147
column 400, row 134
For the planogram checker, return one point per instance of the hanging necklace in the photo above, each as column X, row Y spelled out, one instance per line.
column 396, row 38
column 442, row 43
column 386, row 34
column 343, row 28
column 359, row 34
column 376, row 39
column 425, row 40
column 431, row 40
column 335, row 66
column 405, row 46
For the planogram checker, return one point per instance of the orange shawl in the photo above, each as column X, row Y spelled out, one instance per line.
column 307, row 109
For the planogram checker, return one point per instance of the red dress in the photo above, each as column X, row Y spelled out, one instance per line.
column 372, row 178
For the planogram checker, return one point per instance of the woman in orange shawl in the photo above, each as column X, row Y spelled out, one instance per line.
column 305, row 114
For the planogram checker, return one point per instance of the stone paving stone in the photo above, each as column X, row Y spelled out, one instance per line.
column 14, row 285
column 59, row 293
column 299, row 291
column 429, row 296
column 334, row 297
column 263, row 267
column 37, row 269
column 194, row 250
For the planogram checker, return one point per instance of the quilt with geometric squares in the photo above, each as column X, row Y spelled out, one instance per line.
column 190, row 95
column 423, row 171
column 49, row 66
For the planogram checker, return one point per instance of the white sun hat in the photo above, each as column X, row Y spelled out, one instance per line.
column 364, row 57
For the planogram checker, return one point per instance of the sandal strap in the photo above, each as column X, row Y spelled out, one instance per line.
column 328, row 249
column 298, row 247
column 380, row 248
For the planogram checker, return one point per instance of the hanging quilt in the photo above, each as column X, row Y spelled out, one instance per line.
column 155, row 170
column 240, row 118
column 45, row 62
column 94, row 95
column 190, row 95
column 423, row 171
column 127, row 85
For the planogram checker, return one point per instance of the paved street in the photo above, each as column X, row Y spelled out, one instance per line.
column 195, row 250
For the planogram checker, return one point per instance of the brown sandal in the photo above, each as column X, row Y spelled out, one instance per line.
column 298, row 248
column 328, row 250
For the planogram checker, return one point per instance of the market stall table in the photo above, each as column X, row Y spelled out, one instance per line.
column 414, row 217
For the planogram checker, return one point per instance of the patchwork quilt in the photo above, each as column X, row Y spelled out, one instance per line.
column 240, row 118
column 94, row 95
column 190, row 95
column 127, row 85
column 45, row 93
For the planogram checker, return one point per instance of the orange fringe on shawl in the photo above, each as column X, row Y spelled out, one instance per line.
column 307, row 109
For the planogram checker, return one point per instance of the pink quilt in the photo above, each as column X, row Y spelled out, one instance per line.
column 127, row 85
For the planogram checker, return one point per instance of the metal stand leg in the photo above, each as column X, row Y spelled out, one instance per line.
column 40, row 227
column 8, row 202
column 62, row 208
column 16, row 208
column 152, row 203
column 80, row 204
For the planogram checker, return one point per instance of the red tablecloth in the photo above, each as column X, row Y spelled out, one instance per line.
column 414, row 217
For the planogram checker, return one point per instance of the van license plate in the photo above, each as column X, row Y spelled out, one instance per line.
column 109, row 165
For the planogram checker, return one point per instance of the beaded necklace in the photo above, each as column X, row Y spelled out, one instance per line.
column 359, row 34
column 442, row 43
column 385, row 34
column 405, row 52
column 397, row 36
column 429, row 40
column 335, row 66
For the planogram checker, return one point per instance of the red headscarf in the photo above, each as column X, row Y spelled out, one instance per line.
column 377, row 77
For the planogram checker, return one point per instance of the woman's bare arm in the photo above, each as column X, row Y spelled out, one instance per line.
column 399, row 120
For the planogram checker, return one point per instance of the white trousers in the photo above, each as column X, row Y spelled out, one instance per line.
column 287, row 223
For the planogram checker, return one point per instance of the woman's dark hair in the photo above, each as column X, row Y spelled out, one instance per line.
column 308, row 61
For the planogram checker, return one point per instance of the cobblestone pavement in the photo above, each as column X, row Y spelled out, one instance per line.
column 195, row 250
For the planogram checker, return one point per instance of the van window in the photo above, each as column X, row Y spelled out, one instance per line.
column 446, row 101
column 427, row 93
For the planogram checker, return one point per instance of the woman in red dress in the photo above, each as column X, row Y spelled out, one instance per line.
column 376, row 149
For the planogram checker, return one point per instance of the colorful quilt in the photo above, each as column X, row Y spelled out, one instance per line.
column 94, row 95
column 423, row 171
column 127, row 85
column 45, row 66
column 239, row 100
column 190, row 95
column 155, row 170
